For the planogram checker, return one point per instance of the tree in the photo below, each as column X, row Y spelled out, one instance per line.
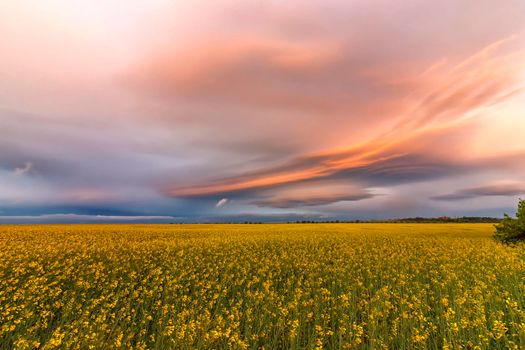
column 511, row 230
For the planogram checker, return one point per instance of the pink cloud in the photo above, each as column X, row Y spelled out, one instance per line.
column 448, row 99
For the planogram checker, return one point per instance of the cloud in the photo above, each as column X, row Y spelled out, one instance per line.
column 261, row 217
column 222, row 202
column 502, row 189
column 444, row 105
column 93, row 219
column 21, row 171
column 309, row 201
column 76, row 218
column 317, row 75
column 253, row 71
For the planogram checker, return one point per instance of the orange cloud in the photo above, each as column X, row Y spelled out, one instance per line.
column 252, row 70
column 446, row 100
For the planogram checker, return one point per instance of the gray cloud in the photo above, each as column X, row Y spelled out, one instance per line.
column 75, row 218
column 25, row 169
column 309, row 201
column 508, row 189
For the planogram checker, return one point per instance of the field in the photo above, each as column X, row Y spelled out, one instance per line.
column 290, row 286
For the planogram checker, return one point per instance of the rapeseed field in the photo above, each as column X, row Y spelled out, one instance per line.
column 290, row 286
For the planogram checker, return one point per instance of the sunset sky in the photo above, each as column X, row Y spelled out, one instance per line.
column 260, row 110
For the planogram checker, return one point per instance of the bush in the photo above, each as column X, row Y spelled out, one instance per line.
column 511, row 230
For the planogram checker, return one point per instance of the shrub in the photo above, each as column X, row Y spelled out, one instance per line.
column 511, row 230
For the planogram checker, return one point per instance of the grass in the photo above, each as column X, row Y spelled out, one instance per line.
column 304, row 286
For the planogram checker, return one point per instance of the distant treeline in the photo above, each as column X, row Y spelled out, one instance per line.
column 443, row 219
column 421, row 220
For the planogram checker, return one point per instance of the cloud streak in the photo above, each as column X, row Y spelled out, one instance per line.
column 504, row 189
column 73, row 218
column 24, row 170
column 222, row 202
column 309, row 201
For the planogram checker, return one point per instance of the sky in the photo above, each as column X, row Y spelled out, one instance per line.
column 223, row 110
